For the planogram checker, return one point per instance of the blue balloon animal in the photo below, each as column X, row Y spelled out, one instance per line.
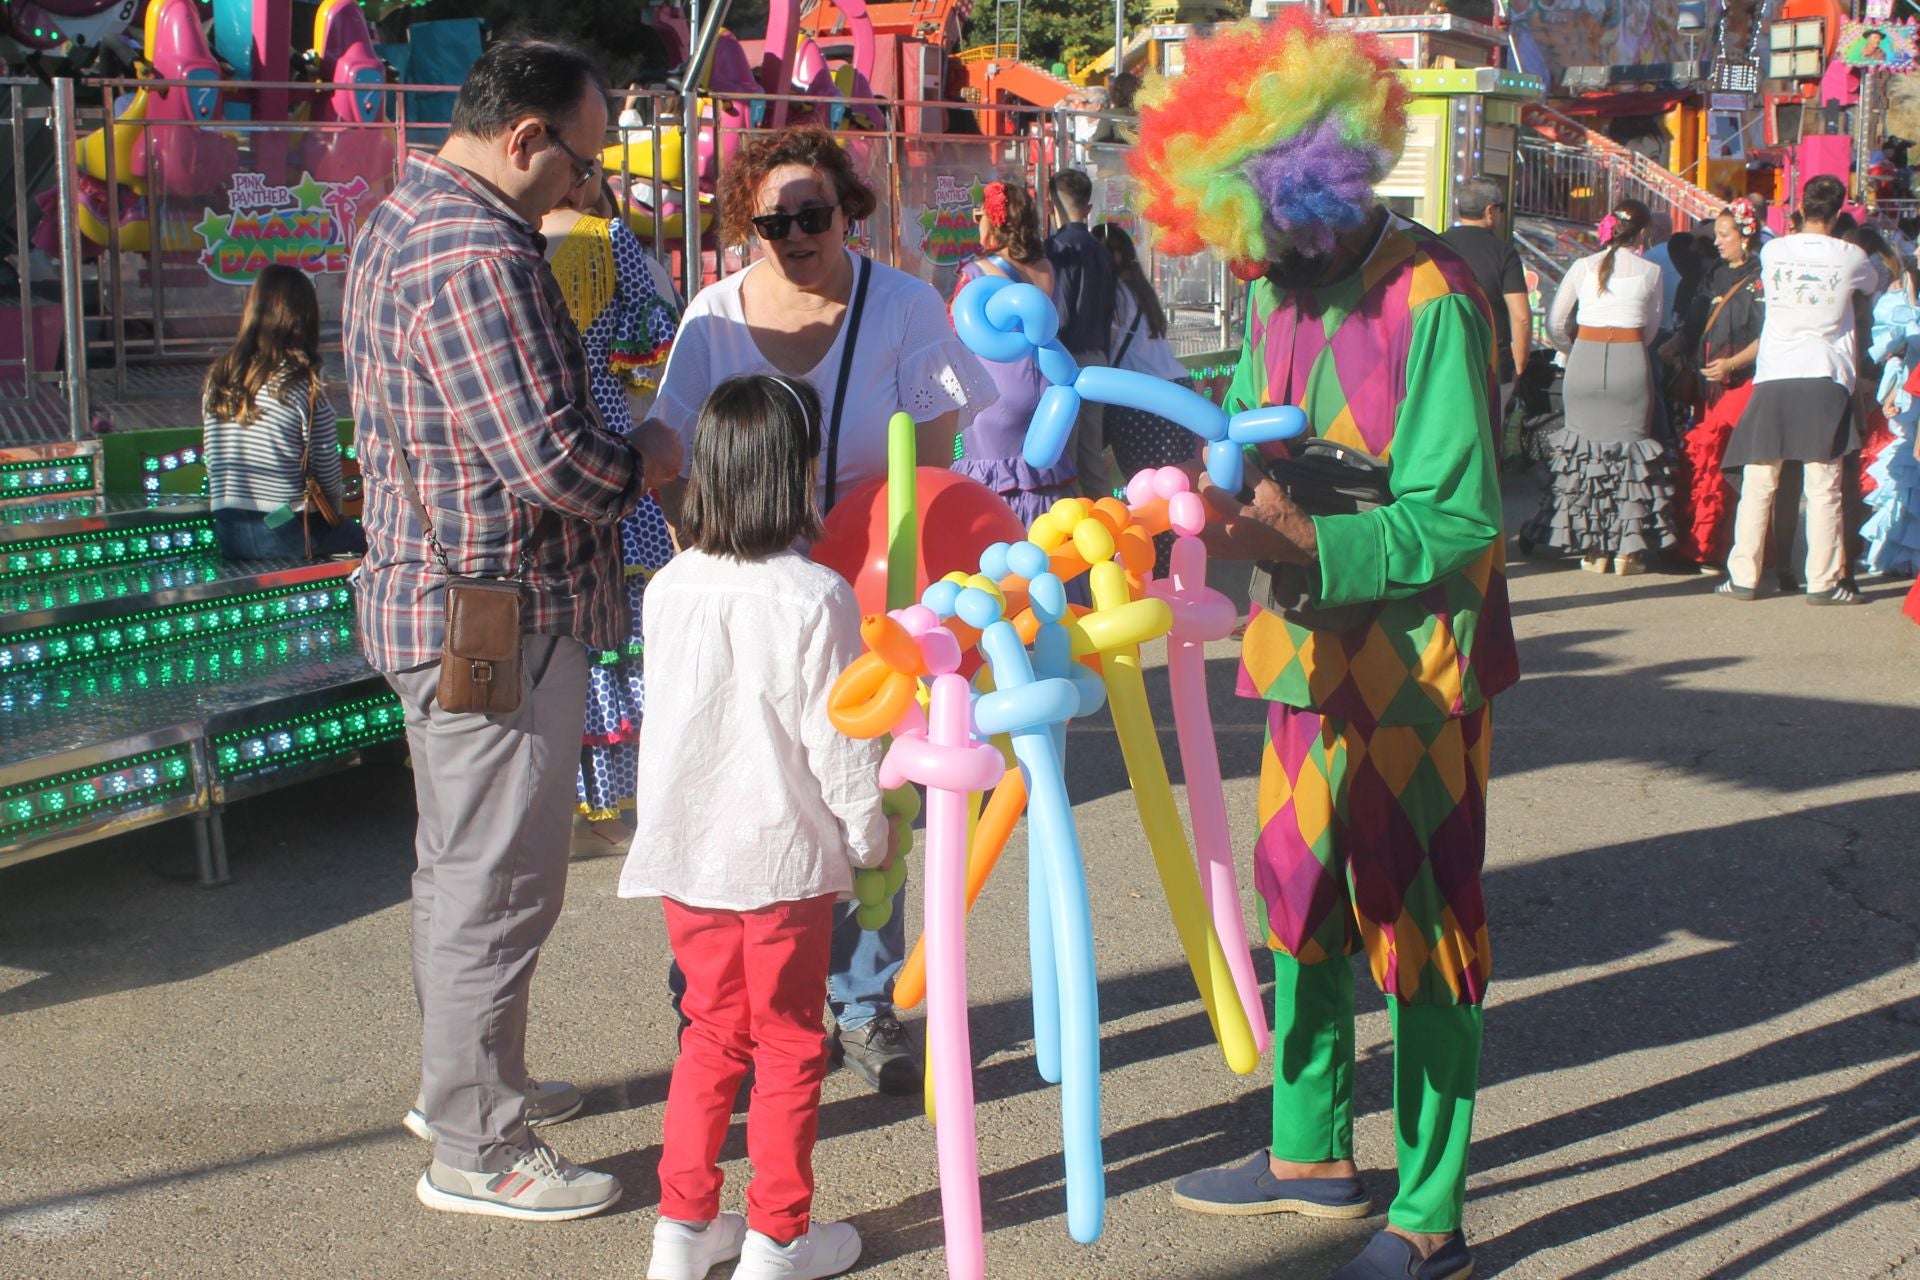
column 1004, row 320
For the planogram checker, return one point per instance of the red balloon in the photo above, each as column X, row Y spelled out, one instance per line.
column 959, row 518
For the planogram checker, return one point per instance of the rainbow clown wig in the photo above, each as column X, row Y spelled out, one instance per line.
column 1271, row 141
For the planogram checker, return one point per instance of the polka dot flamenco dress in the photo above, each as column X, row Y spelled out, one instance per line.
column 628, row 326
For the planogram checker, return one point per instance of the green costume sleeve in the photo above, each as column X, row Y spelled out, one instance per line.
column 1446, row 492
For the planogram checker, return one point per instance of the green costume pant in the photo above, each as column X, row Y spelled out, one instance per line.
column 1436, row 1069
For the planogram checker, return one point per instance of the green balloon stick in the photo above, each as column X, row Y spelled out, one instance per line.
column 903, row 513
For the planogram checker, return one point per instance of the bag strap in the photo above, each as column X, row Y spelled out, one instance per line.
column 426, row 521
column 1725, row 298
column 306, row 461
column 846, row 374
column 1133, row 331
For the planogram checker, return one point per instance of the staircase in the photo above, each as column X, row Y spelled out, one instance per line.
column 1570, row 177
column 143, row 677
column 1572, row 173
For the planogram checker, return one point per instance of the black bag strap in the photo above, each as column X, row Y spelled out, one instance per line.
column 846, row 373
column 1126, row 344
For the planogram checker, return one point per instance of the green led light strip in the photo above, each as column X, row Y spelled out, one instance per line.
column 316, row 735
column 41, row 478
column 99, row 549
column 48, row 646
column 205, row 662
column 151, row 776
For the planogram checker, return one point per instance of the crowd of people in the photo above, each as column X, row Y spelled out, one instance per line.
column 587, row 504
column 1705, row 404
column 536, row 406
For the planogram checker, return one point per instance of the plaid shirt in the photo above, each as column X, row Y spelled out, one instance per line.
column 460, row 351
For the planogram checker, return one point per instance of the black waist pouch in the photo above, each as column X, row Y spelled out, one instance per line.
column 1322, row 478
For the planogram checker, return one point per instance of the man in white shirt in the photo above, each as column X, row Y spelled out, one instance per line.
column 1802, row 406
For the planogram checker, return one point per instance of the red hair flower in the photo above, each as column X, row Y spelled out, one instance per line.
column 994, row 200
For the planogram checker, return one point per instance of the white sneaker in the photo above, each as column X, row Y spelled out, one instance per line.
column 548, row 1102
column 541, row 1186
column 827, row 1250
column 682, row 1251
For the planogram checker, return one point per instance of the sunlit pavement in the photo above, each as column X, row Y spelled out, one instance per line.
column 1703, row 1043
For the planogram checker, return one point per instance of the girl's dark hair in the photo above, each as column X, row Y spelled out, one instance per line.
column 1630, row 221
column 751, row 492
column 279, row 343
column 807, row 145
column 1126, row 265
column 1019, row 235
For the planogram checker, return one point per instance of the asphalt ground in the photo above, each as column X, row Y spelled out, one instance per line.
column 1702, row 1042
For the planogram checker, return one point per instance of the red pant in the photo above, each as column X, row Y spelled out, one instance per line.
column 756, row 981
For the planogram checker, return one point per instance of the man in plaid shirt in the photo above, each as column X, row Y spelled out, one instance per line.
column 468, row 374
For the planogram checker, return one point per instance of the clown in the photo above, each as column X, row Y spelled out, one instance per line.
column 1385, row 632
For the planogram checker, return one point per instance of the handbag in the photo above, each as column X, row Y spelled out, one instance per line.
column 480, row 656
column 1322, row 478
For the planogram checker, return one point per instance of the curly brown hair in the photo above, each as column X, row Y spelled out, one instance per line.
column 1019, row 235
column 807, row 145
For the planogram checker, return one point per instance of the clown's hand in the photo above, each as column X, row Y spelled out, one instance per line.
column 1270, row 527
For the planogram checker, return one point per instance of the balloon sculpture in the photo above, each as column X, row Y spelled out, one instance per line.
column 1047, row 662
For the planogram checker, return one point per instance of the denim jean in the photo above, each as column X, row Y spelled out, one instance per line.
column 244, row 535
column 861, row 972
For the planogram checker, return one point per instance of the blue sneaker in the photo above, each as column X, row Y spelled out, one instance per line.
column 1249, row 1188
column 1391, row 1257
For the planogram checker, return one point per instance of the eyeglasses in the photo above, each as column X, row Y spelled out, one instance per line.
column 583, row 168
column 812, row 220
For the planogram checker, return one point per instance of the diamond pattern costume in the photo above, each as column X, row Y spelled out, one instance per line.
column 1373, row 780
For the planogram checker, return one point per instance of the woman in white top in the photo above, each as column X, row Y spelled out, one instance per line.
column 871, row 342
column 1609, row 498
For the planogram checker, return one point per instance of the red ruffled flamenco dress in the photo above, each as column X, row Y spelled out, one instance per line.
column 1706, row 532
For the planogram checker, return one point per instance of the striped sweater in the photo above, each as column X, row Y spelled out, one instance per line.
column 257, row 467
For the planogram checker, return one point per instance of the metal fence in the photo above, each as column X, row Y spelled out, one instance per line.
column 1584, row 185
column 30, row 309
column 158, row 227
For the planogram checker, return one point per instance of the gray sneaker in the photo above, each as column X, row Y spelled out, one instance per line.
column 548, row 1102
column 541, row 1186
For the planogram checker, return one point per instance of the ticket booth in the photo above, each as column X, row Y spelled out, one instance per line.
column 1461, row 123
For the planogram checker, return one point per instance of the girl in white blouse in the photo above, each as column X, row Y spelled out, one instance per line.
column 1609, row 495
column 753, row 812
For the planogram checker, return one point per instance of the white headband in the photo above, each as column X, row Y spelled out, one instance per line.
column 806, row 419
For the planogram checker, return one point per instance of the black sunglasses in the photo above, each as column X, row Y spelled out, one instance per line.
column 812, row 220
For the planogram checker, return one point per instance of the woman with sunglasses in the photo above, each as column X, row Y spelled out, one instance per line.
column 1012, row 247
column 871, row 342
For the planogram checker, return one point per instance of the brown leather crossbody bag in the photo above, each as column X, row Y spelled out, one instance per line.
column 480, row 657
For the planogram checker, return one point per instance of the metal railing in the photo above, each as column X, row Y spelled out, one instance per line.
column 153, row 243
column 30, row 337
column 1582, row 182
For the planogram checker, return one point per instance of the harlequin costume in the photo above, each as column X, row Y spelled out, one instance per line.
column 1373, row 776
column 628, row 326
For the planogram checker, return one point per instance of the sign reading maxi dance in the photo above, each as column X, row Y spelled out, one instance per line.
column 308, row 225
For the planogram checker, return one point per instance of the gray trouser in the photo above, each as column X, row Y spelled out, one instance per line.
column 1089, row 447
column 496, row 799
